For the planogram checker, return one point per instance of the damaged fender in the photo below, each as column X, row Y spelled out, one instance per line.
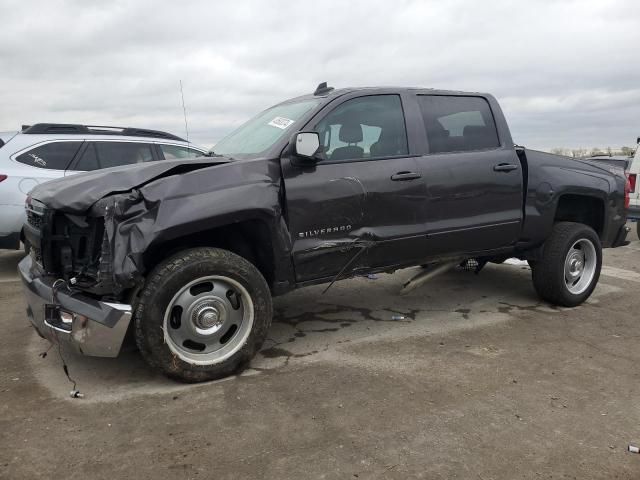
column 147, row 206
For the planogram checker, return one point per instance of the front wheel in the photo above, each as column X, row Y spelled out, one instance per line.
column 203, row 314
column 570, row 266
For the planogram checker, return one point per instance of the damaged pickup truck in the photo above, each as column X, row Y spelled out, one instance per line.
column 187, row 254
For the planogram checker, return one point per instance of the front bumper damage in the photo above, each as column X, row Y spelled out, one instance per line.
column 88, row 326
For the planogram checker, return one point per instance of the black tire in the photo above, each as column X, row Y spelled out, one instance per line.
column 548, row 272
column 170, row 277
column 638, row 228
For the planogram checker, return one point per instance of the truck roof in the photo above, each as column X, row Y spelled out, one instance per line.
column 322, row 91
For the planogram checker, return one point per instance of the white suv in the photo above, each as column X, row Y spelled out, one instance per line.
column 634, row 193
column 46, row 151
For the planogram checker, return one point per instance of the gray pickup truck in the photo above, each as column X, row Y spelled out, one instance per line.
column 186, row 255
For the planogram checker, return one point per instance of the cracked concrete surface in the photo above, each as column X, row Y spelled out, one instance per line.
column 478, row 379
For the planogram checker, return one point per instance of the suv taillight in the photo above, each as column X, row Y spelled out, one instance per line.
column 632, row 183
column 3, row 177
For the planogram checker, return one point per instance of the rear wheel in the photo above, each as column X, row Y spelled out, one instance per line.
column 570, row 265
column 203, row 314
column 638, row 228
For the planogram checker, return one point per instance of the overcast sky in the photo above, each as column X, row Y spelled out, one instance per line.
column 566, row 73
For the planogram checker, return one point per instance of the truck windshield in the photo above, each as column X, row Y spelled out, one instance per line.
column 263, row 130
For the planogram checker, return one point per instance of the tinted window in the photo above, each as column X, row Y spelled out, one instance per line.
column 54, row 156
column 458, row 124
column 88, row 161
column 172, row 152
column 365, row 127
column 114, row 154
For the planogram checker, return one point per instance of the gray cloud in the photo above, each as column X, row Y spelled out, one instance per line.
column 566, row 72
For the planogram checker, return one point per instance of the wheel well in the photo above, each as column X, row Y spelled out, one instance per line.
column 581, row 209
column 250, row 239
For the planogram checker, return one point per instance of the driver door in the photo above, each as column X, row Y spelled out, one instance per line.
column 363, row 204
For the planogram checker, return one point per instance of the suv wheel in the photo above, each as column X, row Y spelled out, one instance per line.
column 570, row 265
column 203, row 314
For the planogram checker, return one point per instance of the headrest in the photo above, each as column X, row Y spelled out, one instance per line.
column 350, row 133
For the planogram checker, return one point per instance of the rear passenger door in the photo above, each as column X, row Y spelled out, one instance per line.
column 473, row 177
column 105, row 154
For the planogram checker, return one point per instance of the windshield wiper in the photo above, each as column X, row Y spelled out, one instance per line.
column 211, row 153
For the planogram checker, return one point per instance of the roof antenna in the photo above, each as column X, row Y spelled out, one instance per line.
column 184, row 111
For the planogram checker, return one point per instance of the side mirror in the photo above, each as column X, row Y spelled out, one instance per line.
column 306, row 144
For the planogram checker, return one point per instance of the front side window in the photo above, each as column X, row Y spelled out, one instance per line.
column 458, row 124
column 115, row 154
column 53, row 156
column 364, row 128
column 174, row 152
column 264, row 130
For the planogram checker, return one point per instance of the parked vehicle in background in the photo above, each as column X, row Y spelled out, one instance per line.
column 46, row 151
column 318, row 188
column 634, row 189
column 6, row 136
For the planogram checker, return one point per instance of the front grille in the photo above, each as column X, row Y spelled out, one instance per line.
column 65, row 246
column 34, row 219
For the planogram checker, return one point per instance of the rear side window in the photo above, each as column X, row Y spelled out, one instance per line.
column 53, row 156
column 173, row 152
column 113, row 154
column 458, row 124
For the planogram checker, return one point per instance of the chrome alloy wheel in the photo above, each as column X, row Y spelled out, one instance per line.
column 208, row 320
column 580, row 266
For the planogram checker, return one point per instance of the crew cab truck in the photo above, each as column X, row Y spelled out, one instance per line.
column 187, row 254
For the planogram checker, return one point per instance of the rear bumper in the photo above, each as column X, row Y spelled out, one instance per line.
column 88, row 326
column 10, row 242
column 11, row 220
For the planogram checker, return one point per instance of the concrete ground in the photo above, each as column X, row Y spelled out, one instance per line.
column 480, row 380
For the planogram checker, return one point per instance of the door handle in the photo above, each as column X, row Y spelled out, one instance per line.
column 504, row 167
column 403, row 176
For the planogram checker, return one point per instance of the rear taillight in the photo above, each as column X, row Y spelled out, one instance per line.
column 3, row 178
column 632, row 183
column 627, row 190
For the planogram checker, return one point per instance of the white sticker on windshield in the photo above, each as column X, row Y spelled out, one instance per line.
column 281, row 122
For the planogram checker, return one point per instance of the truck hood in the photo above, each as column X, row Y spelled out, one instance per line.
column 77, row 193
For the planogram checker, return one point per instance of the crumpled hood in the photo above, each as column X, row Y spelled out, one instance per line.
column 77, row 193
